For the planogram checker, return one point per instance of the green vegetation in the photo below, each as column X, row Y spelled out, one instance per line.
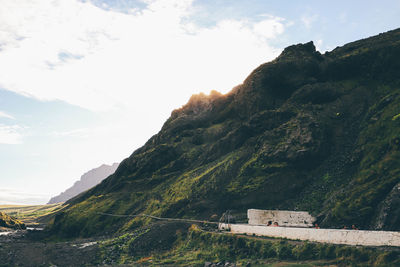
column 31, row 214
column 194, row 247
column 10, row 222
column 378, row 171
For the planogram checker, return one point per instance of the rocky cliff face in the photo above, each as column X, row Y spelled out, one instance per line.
column 87, row 181
column 305, row 132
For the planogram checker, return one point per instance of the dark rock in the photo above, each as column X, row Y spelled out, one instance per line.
column 388, row 217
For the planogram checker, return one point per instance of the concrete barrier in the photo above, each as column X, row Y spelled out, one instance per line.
column 333, row 236
column 282, row 217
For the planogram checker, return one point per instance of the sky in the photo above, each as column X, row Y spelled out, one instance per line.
column 83, row 83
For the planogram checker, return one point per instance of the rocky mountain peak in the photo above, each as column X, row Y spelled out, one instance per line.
column 87, row 180
column 197, row 104
column 298, row 51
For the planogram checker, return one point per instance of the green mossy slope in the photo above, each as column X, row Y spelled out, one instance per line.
column 305, row 131
column 194, row 247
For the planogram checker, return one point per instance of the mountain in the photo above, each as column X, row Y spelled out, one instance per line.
column 306, row 131
column 10, row 222
column 87, row 181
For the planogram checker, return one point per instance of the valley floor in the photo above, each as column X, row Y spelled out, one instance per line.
column 173, row 244
column 195, row 248
column 20, row 248
column 31, row 215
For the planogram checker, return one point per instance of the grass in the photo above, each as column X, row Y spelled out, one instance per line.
column 378, row 171
column 10, row 222
column 30, row 214
column 195, row 247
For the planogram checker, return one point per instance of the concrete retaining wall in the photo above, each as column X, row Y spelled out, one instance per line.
column 282, row 217
column 334, row 236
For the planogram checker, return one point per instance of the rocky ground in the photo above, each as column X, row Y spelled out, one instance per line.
column 199, row 248
column 25, row 248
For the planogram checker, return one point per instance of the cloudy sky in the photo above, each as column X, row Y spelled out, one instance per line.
column 84, row 83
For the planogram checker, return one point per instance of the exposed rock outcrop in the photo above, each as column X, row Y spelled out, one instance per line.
column 388, row 217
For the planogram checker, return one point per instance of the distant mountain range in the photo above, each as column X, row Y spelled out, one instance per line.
column 87, row 181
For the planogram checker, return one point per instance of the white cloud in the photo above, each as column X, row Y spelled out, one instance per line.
column 308, row 20
column 132, row 68
column 10, row 134
column 80, row 133
column 270, row 27
column 318, row 45
column 6, row 115
column 98, row 59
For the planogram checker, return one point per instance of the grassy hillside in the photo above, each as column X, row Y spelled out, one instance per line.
column 191, row 246
column 31, row 214
column 305, row 131
column 10, row 222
